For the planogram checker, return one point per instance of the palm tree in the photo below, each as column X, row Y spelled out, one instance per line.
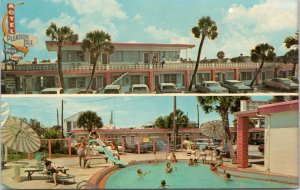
column 206, row 28
column 96, row 42
column 262, row 52
column 160, row 122
column 292, row 41
column 89, row 120
column 221, row 55
column 292, row 55
column 223, row 105
column 62, row 36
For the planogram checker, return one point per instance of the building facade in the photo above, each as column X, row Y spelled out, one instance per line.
column 132, row 63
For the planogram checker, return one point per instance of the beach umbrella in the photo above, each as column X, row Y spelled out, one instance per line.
column 19, row 136
column 213, row 129
column 4, row 112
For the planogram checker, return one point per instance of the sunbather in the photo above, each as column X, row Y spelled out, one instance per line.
column 51, row 170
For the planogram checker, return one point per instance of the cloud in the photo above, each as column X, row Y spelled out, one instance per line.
column 137, row 17
column 272, row 15
column 166, row 35
column 23, row 21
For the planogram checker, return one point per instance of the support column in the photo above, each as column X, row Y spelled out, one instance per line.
column 276, row 71
column 70, row 150
column 213, row 75
column 151, row 81
column 187, row 79
column 236, row 74
column 108, row 78
column 49, row 149
column 242, row 142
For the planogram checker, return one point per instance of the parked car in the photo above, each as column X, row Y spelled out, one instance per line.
column 112, row 89
column 294, row 79
column 52, row 91
column 139, row 89
column 210, row 87
column 147, row 146
column 236, row 86
column 201, row 143
column 281, row 84
column 166, row 88
column 134, row 148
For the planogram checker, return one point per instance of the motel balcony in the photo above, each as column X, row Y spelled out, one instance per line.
column 81, row 66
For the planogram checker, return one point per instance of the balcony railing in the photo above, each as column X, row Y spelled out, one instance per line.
column 131, row 66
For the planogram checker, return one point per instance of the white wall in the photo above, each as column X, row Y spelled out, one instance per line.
column 281, row 148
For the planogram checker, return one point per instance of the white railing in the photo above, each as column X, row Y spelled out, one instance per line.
column 139, row 66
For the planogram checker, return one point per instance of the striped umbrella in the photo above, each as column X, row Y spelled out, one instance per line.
column 213, row 129
column 4, row 112
column 19, row 136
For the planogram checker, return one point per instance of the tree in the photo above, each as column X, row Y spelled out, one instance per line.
column 96, row 42
column 292, row 54
column 62, row 36
column 292, row 41
column 221, row 55
column 89, row 120
column 206, row 28
column 262, row 52
column 182, row 120
column 35, row 125
column 223, row 105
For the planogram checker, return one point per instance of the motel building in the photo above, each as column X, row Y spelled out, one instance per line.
column 281, row 147
column 131, row 63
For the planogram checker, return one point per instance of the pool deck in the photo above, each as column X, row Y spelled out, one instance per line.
column 38, row 182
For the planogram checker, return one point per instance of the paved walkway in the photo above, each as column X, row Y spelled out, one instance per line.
column 38, row 182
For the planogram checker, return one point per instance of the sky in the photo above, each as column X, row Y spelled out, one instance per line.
column 241, row 24
column 128, row 111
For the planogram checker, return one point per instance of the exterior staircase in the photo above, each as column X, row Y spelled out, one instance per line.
column 119, row 78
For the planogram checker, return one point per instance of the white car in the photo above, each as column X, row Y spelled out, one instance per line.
column 210, row 87
column 52, row 91
column 112, row 89
column 201, row 143
column 281, row 84
column 139, row 89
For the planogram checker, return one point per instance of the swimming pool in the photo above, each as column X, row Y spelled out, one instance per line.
column 183, row 176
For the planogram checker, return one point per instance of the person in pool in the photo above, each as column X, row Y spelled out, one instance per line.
column 227, row 176
column 141, row 173
column 163, row 184
column 168, row 167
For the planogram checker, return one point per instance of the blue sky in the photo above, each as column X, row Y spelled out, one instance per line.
column 129, row 111
column 241, row 24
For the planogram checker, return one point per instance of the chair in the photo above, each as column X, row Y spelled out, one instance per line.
column 49, row 177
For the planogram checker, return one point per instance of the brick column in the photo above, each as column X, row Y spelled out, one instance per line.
column 242, row 142
column 151, row 81
column 187, row 79
column 213, row 75
column 236, row 74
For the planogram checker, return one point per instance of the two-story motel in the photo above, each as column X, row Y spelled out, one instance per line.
column 131, row 63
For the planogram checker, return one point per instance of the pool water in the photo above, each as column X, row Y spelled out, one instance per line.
column 183, row 176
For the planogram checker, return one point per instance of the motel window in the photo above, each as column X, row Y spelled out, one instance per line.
column 48, row 81
column 117, row 56
column 170, row 78
column 69, row 127
column 203, row 77
column 146, row 57
column 76, row 82
column 135, row 79
column 74, row 125
column 246, row 75
column 79, row 56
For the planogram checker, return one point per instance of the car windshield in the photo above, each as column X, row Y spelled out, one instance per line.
column 212, row 84
column 237, row 83
column 111, row 91
column 169, row 88
column 286, row 81
column 139, row 89
column 49, row 92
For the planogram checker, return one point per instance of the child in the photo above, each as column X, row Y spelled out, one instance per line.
column 173, row 157
column 162, row 183
column 140, row 172
column 226, row 175
column 191, row 162
column 168, row 167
